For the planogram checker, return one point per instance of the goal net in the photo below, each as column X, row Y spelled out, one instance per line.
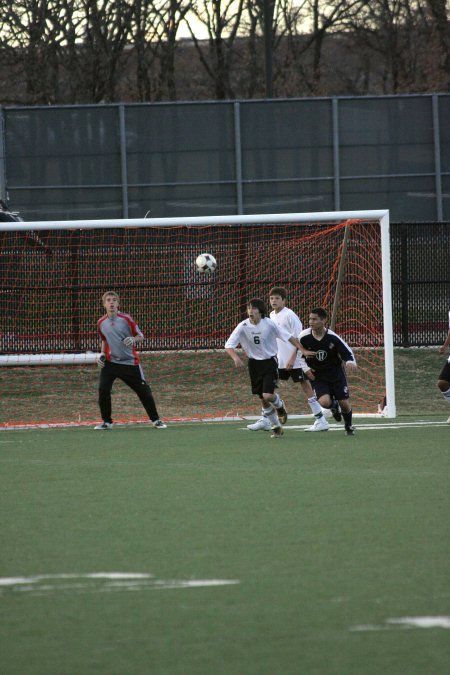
column 53, row 275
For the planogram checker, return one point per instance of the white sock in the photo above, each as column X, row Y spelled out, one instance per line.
column 315, row 407
column 277, row 402
column 272, row 416
column 446, row 395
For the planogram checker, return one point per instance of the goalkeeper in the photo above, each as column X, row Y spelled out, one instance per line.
column 119, row 360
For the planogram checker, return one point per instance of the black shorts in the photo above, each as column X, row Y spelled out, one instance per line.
column 263, row 375
column 336, row 388
column 296, row 374
column 445, row 372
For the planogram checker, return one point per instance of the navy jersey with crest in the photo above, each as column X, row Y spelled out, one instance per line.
column 331, row 352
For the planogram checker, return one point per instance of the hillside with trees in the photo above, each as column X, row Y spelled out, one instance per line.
column 92, row 51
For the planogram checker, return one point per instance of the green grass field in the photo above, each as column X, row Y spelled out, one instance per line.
column 313, row 554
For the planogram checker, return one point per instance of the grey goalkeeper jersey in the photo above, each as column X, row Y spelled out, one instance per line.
column 114, row 330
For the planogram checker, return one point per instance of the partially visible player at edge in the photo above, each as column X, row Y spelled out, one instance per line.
column 289, row 363
column 444, row 376
column 257, row 336
column 326, row 368
column 119, row 359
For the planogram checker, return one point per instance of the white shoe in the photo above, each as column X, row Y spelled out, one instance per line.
column 263, row 423
column 159, row 425
column 104, row 426
column 319, row 425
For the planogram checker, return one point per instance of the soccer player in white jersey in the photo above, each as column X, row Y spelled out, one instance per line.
column 326, row 368
column 289, row 363
column 444, row 376
column 257, row 336
column 119, row 360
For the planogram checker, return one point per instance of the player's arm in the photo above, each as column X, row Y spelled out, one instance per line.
column 230, row 347
column 238, row 362
column 446, row 344
column 306, row 352
column 101, row 358
column 345, row 353
column 133, row 340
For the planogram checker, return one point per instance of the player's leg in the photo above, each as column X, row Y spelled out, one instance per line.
column 134, row 377
column 263, row 424
column 322, row 392
column 340, row 389
column 316, row 408
column 444, row 382
column 105, row 383
column 264, row 379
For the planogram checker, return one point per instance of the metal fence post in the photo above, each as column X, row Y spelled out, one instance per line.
column 238, row 157
column 437, row 157
column 3, row 195
column 336, row 168
column 123, row 160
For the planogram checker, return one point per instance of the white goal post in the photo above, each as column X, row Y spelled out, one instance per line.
column 33, row 232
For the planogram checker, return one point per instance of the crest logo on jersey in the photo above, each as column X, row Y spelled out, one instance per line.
column 321, row 355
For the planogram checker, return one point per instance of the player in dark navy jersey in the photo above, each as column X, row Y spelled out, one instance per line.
column 119, row 360
column 326, row 369
column 444, row 376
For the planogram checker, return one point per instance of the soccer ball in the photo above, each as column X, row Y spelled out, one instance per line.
column 206, row 263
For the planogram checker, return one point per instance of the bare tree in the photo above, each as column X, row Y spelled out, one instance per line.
column 154, row 38
column 439, row 12
column 222, row 20
column 29, row 43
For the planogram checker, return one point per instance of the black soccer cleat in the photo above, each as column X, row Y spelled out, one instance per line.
column 282, row 413
column 277, row 432
column 336, row 411
column 350, row 431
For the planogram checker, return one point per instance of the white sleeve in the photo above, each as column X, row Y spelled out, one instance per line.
column 234, row 339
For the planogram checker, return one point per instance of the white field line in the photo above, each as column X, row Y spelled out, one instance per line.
column 101, row 582
column 406, row 622
column 381, row 425
column 365, row 427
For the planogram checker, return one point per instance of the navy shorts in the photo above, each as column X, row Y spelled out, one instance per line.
column 337, row 388
column 445, row 372
column 263, row 375
column 296, row 374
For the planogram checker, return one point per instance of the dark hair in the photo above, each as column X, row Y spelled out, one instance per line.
column 259, row 304
column 321, row 312
column 279, row 290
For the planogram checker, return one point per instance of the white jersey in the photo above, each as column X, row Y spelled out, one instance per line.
column 290, row 321
column 259, row 341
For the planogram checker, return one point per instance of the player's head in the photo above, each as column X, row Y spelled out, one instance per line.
column 321, row 313
column 258, row 304
column 277, row 298
column 108, row 297
column 278, row 290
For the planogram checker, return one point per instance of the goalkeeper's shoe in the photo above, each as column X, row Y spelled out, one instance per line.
column 350, row 431
column 319, row 425
column 336, row 411
column 263, row 423
column 277, row 432
column 282, row 413
column 159, row 425
column 104, row 426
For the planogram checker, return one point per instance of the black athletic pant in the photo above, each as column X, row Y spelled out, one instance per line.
column 134, row 378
